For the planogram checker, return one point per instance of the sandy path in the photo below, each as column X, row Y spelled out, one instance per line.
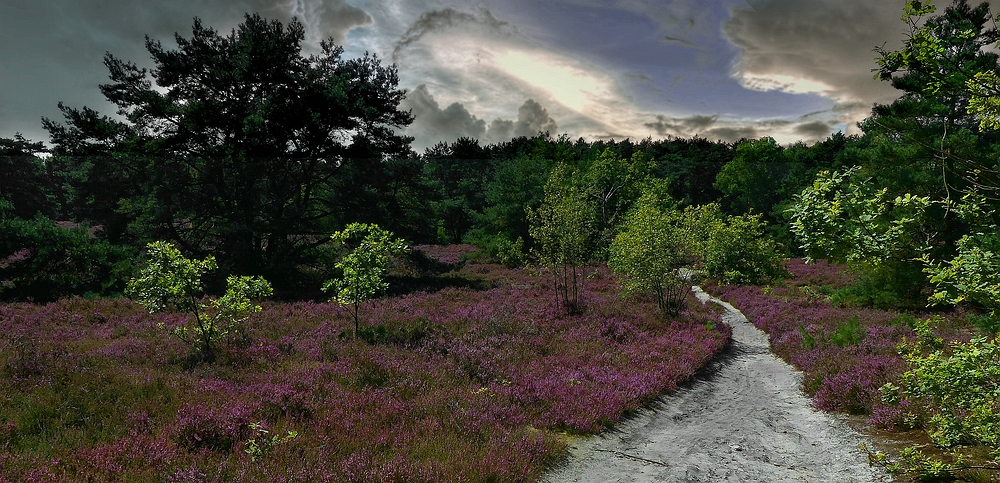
column 743, row 420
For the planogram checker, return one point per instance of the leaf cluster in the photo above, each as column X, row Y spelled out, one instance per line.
column 168, row 281
column 364, row 266
column 845, row 217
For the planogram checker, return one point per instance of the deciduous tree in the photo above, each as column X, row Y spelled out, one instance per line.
column 170, row 281
column 363, row 267
column 650, row 250
column 563, row 230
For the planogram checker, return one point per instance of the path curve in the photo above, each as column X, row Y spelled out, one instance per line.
column 743, row 419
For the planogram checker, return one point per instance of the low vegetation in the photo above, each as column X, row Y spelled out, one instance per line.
column 455, row 385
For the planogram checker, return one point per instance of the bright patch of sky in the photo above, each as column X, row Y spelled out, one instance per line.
column 491, row 69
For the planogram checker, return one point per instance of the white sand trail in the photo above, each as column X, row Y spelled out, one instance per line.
column 744, row 419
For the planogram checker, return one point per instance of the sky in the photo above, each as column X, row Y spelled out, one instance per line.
column 795, row 70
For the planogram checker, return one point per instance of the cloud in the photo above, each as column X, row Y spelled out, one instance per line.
column 532, row 118
column 681, row 126
column 731, row 134
column 440, row 20
column 323, row 19
column 823, row 47
column 806, row 128
column 815, row 129
column 433, row 124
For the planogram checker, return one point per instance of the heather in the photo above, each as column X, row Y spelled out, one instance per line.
column 458, row 384
column 845, row 353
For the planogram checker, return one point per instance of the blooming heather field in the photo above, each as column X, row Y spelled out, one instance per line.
column 455, row 385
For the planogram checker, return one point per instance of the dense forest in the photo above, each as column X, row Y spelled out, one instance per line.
column 251, row 153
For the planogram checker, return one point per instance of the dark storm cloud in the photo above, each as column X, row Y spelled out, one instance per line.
column 813, row 130
column 730, row 131
column 681, row 126
column 432, row 124
column 824, row 41
column 323, row 18
column 53, row 50
column 438, row 20
column 731, row 134
column 532, row 118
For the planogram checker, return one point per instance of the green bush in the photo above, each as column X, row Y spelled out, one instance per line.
column 889, row 285
column 42, row 261
column 363, row 268
column 954, row 389
column 500, row 249
column 649, row 252
column 733, row 249
column 169, row 281
column 849, row 332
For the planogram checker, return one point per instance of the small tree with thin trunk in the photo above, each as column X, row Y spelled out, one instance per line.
column 648, row 252
column 363, row 268
column 563, row 229
column 170, row 281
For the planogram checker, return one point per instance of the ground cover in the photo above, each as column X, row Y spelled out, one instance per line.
column 481, row 380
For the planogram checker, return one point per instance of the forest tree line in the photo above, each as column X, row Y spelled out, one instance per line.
column 254, row 153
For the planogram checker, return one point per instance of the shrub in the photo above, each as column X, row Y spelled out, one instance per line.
column 956, row 384
column 42, row 261
column 848, row 332
column 734, row 248
column 169, row 281
column 363, row 268
column 649, row 252
column 563, row 230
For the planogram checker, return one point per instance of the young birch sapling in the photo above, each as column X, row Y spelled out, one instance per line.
column 169, row 281
column 363, row 268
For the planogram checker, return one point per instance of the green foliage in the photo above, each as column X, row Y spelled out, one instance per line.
column 260, row 445
column 363, row 268
column 846, row 218
column 170, row 282
column 510, row 253
column 751, row 182
column 242, row 143
column 808, row 340
column 972, row 275
column 517, row 185
column 940, row 56
column 42, row 261
column 408, row 334
column 613, row 184
column 649, row 252
column 984, row 102
column 887, row 286
column 459, row 171
column 563, row 230
column 23, row 180
column 955, row 390
column 849, row 332
column 915, row 462
column 733, row 249
column 963, row 387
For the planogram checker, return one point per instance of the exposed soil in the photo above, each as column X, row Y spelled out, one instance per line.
column 742, row 419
